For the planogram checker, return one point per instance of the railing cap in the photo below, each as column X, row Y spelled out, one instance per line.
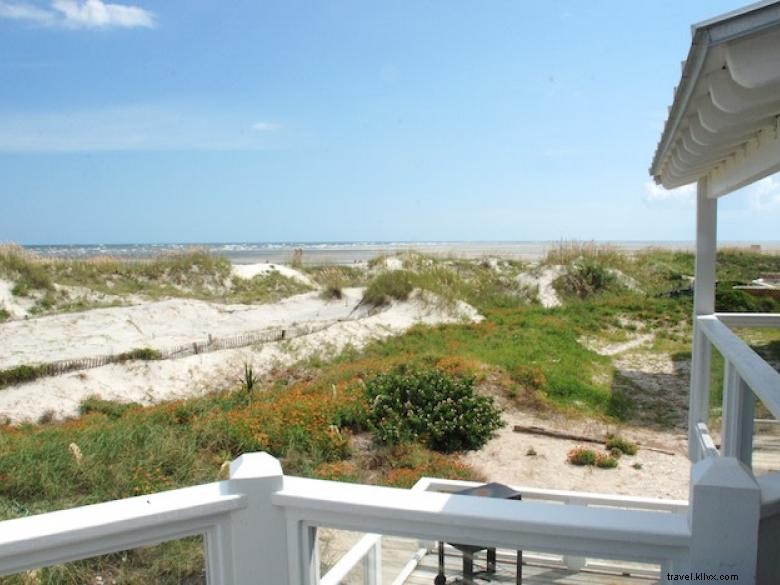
column 255, row 465
column 723, row 472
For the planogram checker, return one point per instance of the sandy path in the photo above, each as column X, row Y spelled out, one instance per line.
column 159, row 324
column 504, row 459
column 149, row 382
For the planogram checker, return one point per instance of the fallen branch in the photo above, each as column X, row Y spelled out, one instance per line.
column 556, row 434
column 533, row 430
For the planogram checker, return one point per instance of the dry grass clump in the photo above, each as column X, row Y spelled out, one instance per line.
column 568, row 251
column 588, row 457
column 190, row 273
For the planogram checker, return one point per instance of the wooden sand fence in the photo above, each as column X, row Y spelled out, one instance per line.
column 269, row 335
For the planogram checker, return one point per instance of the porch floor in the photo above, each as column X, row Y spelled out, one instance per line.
column 535, row 572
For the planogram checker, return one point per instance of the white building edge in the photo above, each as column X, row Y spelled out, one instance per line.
column 260, row 526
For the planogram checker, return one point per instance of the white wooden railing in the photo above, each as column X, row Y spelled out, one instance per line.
column 747, row 376
column 261, row 526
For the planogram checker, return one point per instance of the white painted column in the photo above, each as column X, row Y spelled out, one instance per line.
column 724, row 515
column 703, row 304
column 257, row 543
column 739, row 406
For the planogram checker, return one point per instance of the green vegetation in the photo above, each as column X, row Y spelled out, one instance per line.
column 316, row 416
column 263, row 288
column 477, row 283
column 388, row 286
column 27, row 373
column 332, row 281
column 584, row 278
column 344, row 275
column 22, row 268
column 249, row 380
column 4, row 314
column 439, row 409
column 582, row 456
column 21, row 374
column 616, row 442
column 107, row 281
column 141, row 353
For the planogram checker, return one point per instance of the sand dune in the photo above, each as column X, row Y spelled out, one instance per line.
column 159, row 325
column 177, row 321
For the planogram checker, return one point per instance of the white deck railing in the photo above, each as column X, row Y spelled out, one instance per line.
column 261, row 526
column 746, row 376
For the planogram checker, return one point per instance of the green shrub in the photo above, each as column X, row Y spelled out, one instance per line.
column 605, row 461
column 731, row 300
column 140, row 353
column 441, row 410
column 110, row 408
column 581, row 456
column 21, row 374
column 394, row 284
column 584, row 278
column 624, row 446
column 4, row 314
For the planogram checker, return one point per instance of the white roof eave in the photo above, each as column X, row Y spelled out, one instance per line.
column 726, row 98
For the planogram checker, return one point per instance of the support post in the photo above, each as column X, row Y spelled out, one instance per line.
column 724, row 515
column 739, row 406
column 703, row 304
column 574, row 563
column 257, row 544
column 372, row 565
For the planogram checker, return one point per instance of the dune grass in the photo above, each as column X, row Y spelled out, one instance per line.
column 309, row 415
column 107, row 281
column 451, row 279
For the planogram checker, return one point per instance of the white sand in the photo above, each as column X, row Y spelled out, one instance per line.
column 504, row 459
column 157, row 324
column 252, row 270
column 17, row 307
column 542, row 280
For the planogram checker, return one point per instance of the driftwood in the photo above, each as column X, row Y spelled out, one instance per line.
column 556, row 434
column 533, row 430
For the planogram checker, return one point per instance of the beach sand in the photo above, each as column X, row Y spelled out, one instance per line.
column 175, row 322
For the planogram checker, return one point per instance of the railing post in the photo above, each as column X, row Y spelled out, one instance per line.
column 372, row 565
column 572, row 562
column 703, row 304
column 723, row 516
column 739, row 406
column 699, row 401
column 257, row 543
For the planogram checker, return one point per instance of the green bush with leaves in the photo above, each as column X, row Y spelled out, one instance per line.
column 441, row 410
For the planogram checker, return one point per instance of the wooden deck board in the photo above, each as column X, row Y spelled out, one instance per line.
column 533, row 573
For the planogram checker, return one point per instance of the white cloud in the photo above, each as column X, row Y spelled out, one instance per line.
column 265, row 126
column 685, row 194
column 28, row 12
column 765, row 194
column 78, row 14
column 129, row 127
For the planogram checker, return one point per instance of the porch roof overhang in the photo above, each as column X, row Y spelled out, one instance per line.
column 724, row 123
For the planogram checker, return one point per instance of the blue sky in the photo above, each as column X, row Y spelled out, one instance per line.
column 289, row 121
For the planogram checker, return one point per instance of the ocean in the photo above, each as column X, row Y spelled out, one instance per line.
column 349, row 252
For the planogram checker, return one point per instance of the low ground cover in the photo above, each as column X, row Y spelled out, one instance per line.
column 318, row 417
